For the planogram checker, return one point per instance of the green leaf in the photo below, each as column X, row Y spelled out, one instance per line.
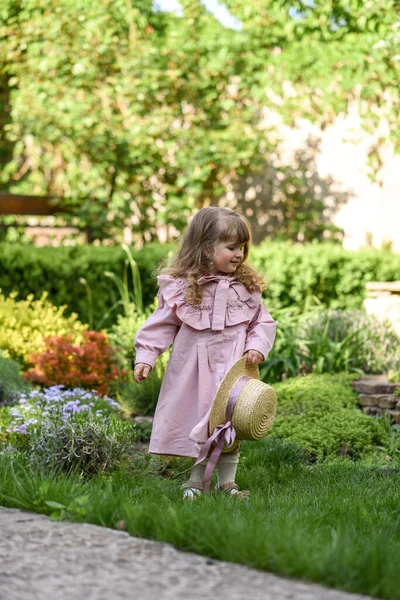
column 53, row 504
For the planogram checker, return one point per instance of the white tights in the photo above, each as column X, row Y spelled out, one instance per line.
column 226, row 469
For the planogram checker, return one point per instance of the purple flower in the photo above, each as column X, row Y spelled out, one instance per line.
column 111, row 402
column 55, row 403
column 16, row 414
column 20, row 428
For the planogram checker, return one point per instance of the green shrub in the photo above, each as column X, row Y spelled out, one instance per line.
column 286, row 355
column 394, row 374
column 30, row 270
column 143, row 429
column 140, row 398
column 90, row 365
column 320, row 414
column 11, row 382
column 351, row 340
column 335, row 276
column 5, row 421
column 25, row 323
column 122, row 334
column 87, row 444
column 320, row 340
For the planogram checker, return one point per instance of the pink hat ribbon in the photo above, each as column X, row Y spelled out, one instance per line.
column 223, row 435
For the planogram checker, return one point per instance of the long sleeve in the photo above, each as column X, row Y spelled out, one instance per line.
column 158, row 332
column 261, row 332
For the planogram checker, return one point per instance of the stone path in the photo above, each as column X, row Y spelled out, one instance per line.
column 42, row 560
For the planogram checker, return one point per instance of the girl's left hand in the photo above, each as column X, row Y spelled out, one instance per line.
column 253, row 357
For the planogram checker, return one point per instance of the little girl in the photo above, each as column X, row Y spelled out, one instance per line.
column 210, row 307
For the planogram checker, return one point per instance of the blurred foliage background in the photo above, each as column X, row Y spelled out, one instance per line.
column 131, row 115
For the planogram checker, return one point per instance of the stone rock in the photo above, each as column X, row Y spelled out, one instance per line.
column 374, row 384
column 368, row 399
column 388, row 401
column 383, row 401
column 370, row 410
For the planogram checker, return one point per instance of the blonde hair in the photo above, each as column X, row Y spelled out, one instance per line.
column 208, row 227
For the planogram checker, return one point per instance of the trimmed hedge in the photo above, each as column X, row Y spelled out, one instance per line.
column 28, row 269
column 335, row 276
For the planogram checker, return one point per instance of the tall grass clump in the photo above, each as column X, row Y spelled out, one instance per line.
column 133, row 398
column 330, row 341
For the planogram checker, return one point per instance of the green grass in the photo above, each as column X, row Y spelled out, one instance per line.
column 337, row 524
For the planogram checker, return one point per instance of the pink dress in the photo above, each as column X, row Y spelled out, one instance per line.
column 207, row 340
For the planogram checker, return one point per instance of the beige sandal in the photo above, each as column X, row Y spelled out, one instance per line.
column 232, row 489
column 192, row 489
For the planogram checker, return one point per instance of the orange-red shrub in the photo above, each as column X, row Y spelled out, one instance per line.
column 90, row 365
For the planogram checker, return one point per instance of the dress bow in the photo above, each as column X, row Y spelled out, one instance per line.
column 220, row 300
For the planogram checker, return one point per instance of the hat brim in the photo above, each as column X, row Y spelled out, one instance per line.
column 218, row 411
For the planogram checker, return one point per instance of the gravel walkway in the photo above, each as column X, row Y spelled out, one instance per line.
column 42, row 560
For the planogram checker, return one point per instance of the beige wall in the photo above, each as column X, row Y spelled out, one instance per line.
column 371, row 210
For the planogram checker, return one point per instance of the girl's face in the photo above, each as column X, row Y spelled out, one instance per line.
column 227, row 257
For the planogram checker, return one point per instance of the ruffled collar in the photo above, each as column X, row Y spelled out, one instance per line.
column 210, row 277
column 200, row 317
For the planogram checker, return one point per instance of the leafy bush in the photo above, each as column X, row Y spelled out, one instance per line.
column 326, row 271
column 58, row 270
column 5, row 421
column 335, row 276
column 286, row 355
column 90, row 365
column 140, row 399
column 320, row 340
column 144, row 429
column 53, row 404
column 135, row 398
column 84, row 443
column 394, row 374
column 57, row 404
column 11, row 382
column 25, row 323
column 320, row 413
column 362, row 341
column 122, row 334
column 67, row 430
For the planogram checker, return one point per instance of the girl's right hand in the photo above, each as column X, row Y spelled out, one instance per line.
column 141, row 371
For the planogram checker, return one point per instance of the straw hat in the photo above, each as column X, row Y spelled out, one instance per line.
column 255, row 408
